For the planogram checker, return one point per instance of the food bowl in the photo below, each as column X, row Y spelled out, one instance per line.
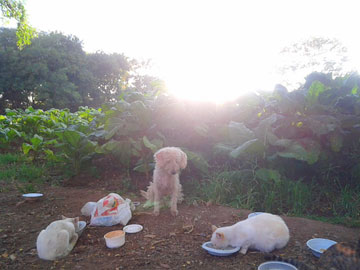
column 133, row 228
column 115, row 239
column 32, row 196
column 208, row 246
column 272, row 265
column 319, row 245
column 82, row 225
column 254, row 214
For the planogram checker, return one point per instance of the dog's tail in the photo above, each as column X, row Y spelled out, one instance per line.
column 149, row 194
column 144, row 194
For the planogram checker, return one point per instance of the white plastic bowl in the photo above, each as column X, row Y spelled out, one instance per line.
column 254, row 214
column 133, row 228
column 115, row 239
column 32, row 196
column 319, row 245
column 272, row 265
column 208, row 246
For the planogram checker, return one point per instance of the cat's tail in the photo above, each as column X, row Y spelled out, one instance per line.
column 296, row 263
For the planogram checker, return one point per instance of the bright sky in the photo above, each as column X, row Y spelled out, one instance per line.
column 203, row 49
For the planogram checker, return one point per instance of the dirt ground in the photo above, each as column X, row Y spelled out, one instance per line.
column 165, row 242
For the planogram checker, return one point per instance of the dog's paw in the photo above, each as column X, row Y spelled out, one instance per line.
column 174, row 212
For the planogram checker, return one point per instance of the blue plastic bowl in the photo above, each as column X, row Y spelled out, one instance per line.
column 219, row 252
column 82, row 225
column 319, row 245
column 253, row 214
column 272, row 265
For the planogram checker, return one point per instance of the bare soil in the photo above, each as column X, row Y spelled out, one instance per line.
column 165, row 242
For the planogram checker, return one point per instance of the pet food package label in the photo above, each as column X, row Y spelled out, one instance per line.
column 111, row 210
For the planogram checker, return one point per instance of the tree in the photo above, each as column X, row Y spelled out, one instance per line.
column 12, row 9
column 55, row 72
column 111, row 74
column 326, row 55
column 49, row 73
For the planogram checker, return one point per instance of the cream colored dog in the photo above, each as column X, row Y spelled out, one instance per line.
column 168, row 163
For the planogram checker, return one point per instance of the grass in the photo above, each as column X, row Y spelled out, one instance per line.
column 26, row 177
column 296, row 198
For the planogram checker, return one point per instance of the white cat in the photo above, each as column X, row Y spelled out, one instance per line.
column 58, row 239
column 264, row 232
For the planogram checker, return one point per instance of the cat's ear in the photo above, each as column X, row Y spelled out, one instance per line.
column 213, row 228
column 76, row 220
column 220, row 236
column 63, row 217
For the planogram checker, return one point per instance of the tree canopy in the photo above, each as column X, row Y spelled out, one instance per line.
column 327, row 55
column 15, row 9
column 55, row 72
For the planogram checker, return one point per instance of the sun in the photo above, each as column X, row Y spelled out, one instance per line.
column 203, row 82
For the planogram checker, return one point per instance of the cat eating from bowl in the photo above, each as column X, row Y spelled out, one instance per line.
column 264, row 232
column 58, row 239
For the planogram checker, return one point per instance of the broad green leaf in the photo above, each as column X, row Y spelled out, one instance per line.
column 264, row 130
column 141, row 168
column 73, row 137
column 354, row 91
column 107, row 147
column 221, row 148
column 322, row 124
column 251, row 147
column 283, row 143
column 36, row 141
column 239, row 133
column 50, row 142
column 149, row 145
column 12, row 133
column 198, row 161
column 26, row 148
column 297, row 150
column 268, row 175
column 336, row 142
column 111, row 133
column 314, row 91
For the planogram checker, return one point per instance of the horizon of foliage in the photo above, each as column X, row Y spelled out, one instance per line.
column 281, row 151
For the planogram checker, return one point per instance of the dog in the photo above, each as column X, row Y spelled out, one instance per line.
column 168, row 163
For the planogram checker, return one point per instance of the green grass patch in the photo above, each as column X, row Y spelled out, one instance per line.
column 26, row 177
column 242, row 189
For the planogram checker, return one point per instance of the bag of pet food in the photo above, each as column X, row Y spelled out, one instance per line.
column 111, row 210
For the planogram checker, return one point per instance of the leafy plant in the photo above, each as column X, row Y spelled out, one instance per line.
column 75, row 147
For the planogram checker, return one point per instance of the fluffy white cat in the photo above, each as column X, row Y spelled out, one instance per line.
column 264, row 232
column 58, row 239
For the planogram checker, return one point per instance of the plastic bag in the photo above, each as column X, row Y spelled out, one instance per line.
column 88, row 208
column 109, row 211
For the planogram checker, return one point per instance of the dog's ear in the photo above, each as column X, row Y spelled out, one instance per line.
column 213, row 228
column 159, row 157
column 183, row 160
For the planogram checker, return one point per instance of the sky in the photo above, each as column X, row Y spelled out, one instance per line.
column 202, row 49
